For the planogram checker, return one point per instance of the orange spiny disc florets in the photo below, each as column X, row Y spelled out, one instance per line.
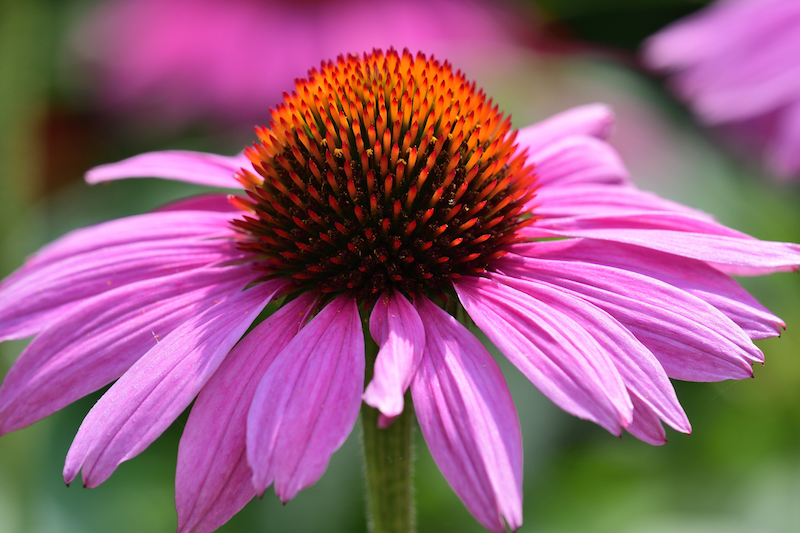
column 383, row 171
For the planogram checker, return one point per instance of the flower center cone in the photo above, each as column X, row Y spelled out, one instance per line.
column 383, row 171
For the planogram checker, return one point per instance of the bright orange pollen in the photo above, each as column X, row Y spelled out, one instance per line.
column 383, row 171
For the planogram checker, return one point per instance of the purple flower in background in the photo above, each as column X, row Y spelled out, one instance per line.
column 181, row 60
column 386, row 183
column 737, row 64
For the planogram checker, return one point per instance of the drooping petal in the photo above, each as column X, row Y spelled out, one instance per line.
column 564, row 361
column 692, row 340
column 648, row 219
column 33, row 299
column 694, row 238
column 594, row 120
column 199, row 168
column 154, row 391
column 690, row 275
column 577, row 161
column 646, row 426
column 96, row 341
column 140, row 228
column 200, row 202
column 586, row 200
column 213, row 479
column 308, row 401
column 468, row 419
column 397, row 329
column 641, row 372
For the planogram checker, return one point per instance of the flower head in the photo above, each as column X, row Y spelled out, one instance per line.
column 736, row 63
column 380, row 173
column 387, row 182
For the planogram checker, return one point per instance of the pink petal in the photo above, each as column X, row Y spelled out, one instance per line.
column 200, row 202
column 33, row 298
column 685, row 221
column 130, row 230
column 578, row 160
column 641, row 372
column 594, row 120
column 563, row 360
column 690, row 275
column 308, row 401
column 783, row 155
column 213, row 479
column 193, row 167
column 149, row 396
column 96, row 341
column 588, row 200
column 692, row 340
column 397, row 329
column 742, row 255
column 468, row 419
column 646, row 426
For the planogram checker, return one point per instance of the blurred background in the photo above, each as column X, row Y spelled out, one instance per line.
column 85, row 82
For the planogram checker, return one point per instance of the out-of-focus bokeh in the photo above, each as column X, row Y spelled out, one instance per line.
column 195, row 75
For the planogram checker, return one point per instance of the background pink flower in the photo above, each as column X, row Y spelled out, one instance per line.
column 182, row 60
column 737, row 64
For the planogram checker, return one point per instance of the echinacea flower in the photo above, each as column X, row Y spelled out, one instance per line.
column 385, row 183
column 737, row 64
column 177, row 61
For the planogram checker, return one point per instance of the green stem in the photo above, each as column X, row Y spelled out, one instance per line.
column 388, row 460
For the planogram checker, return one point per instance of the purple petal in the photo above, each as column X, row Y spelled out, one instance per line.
column 692, row 340
column 783, row 156
column 726, row 249
column 308, row 401
column 201, row 202
column 690, row 275
column 588, row 200
column 193, row 167
column 33, row 298
column 594, row 120
column 646, row 219
column 397, row 329
column 646, row 426
column 560, row 358
column 149, row 396
column 578, row 161
column 130, row 230
column 96, row 341
column 213, row 480
column 468, row 419
column 641, row 372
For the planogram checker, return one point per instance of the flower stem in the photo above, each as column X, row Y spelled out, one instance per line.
column 388, row 460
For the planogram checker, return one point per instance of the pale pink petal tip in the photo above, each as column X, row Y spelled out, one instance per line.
column 193, row 167
column 468, row 419
column 397, row 329
column 307, row 402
